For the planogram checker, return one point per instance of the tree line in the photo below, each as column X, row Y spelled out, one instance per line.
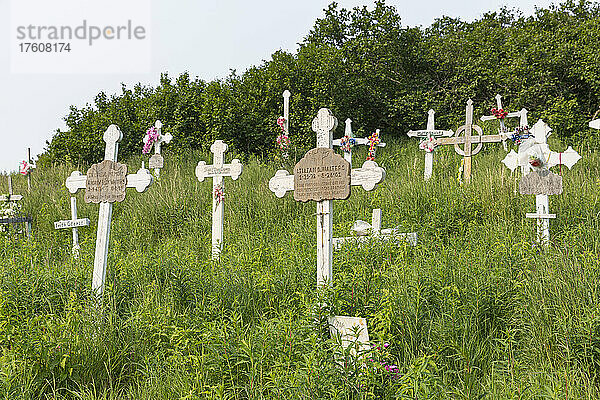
column 365, row 65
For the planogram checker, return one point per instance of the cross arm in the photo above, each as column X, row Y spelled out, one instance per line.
column 368, row 176
column 234, row 170
column 513, row 114
column 281, row 183
column 568, row 158
column 140, row 180
column 75, row 182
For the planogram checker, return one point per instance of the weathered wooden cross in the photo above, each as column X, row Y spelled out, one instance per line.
column 10, row 196
column 348, row 141
column 427, row 137
column 323, row 176
column 464, row 136
column 73, row 223
column 218, row 171
column 16, row 219
column 536, row 148
column 500, row 118
column 366, row 232
column 157, row 161
column 106, row 183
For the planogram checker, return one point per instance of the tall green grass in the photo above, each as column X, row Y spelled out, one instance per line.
column 475, row 310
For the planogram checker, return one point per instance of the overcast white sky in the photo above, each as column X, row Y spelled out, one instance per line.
column 205, row 37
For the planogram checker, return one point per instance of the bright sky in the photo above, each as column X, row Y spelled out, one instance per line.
column 205, row 37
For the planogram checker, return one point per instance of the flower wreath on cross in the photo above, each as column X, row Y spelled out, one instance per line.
column 346, row 143
column 151, row 137
column 218, row 194
column 25, row 168
column 283, row 140
column 428, row 144
column 520, row 134
column 374, row 140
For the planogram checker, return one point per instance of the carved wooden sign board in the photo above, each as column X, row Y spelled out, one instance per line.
column 156, row 161
column 106, row 182
column 352, row 331
column 321, row 175
column 541, row 182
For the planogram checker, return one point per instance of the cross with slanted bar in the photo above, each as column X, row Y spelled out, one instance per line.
column 500, row 118
column 464, row 136
column 428, row 136
column 103, row 186
column 218, row 171
column 368, row 177
column 348, row 141
column 73, row 223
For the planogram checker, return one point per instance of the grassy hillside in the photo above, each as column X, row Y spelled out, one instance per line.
column 476, row 310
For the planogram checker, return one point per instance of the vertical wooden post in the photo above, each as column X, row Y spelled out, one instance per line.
column 75, row 231
column 543, row 224
column 376, row 221
column 286, row 112
column 29, row 173
column 10, row 189
column 429, row 154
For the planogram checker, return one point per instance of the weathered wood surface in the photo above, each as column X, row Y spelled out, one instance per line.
column 106, row 182
column 217, row 172
column 427, row 134
column 321, row 175
column 156, row 162
column 15, row 220
column 351, row 332
column 76, row 181
column 69, row 223
column 541, row 182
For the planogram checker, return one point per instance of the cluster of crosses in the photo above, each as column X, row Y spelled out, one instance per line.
column 323, row 176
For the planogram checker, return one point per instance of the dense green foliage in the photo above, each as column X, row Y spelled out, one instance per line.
column 364, row 65
column 476, row 310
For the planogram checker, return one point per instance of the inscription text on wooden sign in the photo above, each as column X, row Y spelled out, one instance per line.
column 321, row 175
column 106, row 182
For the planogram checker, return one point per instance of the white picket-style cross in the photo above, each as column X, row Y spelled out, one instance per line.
column 502, row 128
column 368, row 177
column 368, row 232
column 217, row 172
column 426, row 136
column 73, row 223
column 140, row 181
column 166, row 139
column 352, row 141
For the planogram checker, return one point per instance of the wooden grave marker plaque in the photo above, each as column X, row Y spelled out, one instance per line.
column 106, row 182
column 321, row 175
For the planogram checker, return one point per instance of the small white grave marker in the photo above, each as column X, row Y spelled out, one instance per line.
column 368, row 177
column 367, row 232
column 156, row 162
column 217, row 171
column 348, row 141
column 73, row 223
column 428, row 137
column 105, row 185
column 351, row 332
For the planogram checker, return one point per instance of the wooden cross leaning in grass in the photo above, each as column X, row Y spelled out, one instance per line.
column 348, row 141
column 464, row 135
column 323, row 176
column 73, row 223
column 218, row 171
column 106, row 183
column 428, row 137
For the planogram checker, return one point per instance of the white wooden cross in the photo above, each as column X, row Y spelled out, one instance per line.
column 140, row 181
column 350, row 141
column 366, row 232
column 166, row 139
column 537, row 146
column 426, row 137
column 502, row 128
column 73, row 223
column 10, row 196
column 217, row 171
column 286, row 112
column 368, row 177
